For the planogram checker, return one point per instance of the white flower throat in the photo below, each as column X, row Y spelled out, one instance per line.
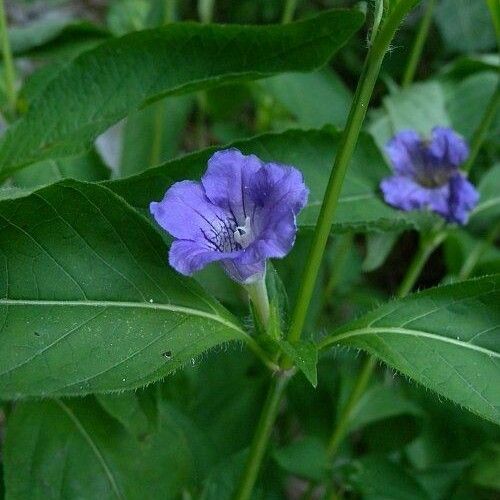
column 244, row 234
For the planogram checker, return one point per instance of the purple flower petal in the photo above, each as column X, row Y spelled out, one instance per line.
column 447, row 148
column 226, row 181
column 403, row 192
column 427, row 175
column 242, row 214
column 281, row 186
column 463, row 199
column 185, row 212
column 239, row 269
column 188, row 257
column 405, row 152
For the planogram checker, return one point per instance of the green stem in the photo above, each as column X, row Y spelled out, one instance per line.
column 9, row 70
column 426, row 246
column 478, row 250
column 348, row 142
column 169, row 11
column 206, row 10
column 159, row 107
column 494, row 7
column 482, row 130
column 257, row 292
column 261, row 437
column 353, row 399
column 288, row 11
column 342, row 251
column 254, row 346
column 418, row 44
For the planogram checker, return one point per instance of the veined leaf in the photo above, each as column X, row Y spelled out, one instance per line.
column 87, row 454
column 446, row 338
column 360, row 207
column 88, row 302
column 103, row 85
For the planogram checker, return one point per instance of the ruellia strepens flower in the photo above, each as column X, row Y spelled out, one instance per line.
column 241, row 214
column 427, row 175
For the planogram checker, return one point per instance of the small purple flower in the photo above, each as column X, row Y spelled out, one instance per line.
column 241, row 214
column 427, row 174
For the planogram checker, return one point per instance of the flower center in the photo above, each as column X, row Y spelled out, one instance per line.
column 244, row 234
column 433, row 178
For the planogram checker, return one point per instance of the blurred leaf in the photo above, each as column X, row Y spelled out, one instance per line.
column 465, row 25
column 377, row 478
column 153, row 134
column 313, row 99
column 126, row 408
column 71, row 449
column 305, row 458
column 103, row 85
column 89, row 303
column 381, row 402
column 460, row 245
column 445, row 338
column 378, row 248
column 487, row 211
column 125, row 16
column 467, row 102
column 360, row 207
column 464, row 66
column 223, row 479
column 439, row 480
column 420, row 107
column 88, row 167
column 486, row 468
column 46, row 36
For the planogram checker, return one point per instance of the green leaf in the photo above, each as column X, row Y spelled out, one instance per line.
column 420, row 107
column 304, row 95
column 305, row 458
column 361, row 206
column 378, row 248
column 378, row 478
column 152, row 135
column 126, row 408
column 445, row 338
column 62, row 449
column 487, row 211
column 88, row 302
column 88, row 167
column 486, row 467
column 103, row 85
column 381, row 402
column 467, row 101
column 465, row 26
column 54, row 35
column 305, row 357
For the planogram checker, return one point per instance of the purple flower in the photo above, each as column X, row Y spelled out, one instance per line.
column 241, row 214
column 427, row 174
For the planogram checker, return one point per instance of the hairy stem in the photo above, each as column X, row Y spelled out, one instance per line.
column 426, row 247
column 418, row 44
column 348, row 142
column 9, row 69
column 482, row 130
column 261, row 437
column 349, row 139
